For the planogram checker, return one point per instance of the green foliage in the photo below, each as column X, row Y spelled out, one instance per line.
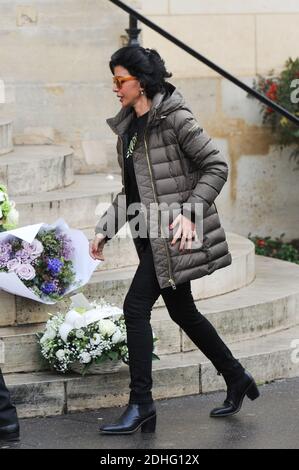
column 52, row 246
column 275, row 248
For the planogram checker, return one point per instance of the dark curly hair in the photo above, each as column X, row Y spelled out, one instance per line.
column 145, row 64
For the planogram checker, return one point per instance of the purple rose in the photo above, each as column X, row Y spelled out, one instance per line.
column 26, row 272
column 13, row 265
column 33, row 249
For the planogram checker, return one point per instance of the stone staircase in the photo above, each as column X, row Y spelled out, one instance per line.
column 253, row 303
column 31, row 169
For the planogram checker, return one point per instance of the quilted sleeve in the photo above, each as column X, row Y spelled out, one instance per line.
column 197, row 145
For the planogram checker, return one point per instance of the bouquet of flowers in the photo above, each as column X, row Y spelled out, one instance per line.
column 283, row 90
column 86, row 336
column 44, row 262
column 9, row 216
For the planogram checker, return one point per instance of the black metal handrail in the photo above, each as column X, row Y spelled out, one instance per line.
column 206, row 61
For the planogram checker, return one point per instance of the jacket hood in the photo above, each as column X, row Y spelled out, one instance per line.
column 162, row 105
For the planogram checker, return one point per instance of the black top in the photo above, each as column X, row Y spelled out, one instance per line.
column 134, row 135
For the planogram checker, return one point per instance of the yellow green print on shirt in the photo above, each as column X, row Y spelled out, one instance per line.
column 132, row 145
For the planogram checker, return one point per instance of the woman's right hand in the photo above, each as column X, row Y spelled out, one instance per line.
column 96, row 247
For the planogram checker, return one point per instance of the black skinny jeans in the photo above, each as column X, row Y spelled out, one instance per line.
column 142, row 294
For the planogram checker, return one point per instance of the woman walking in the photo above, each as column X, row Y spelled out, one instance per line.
column 166, row 158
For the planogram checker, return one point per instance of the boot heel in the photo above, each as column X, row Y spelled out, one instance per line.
column 11, row 437
column 150, row 425
column 253, row 391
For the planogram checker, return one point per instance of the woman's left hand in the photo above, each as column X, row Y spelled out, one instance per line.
column 186, row 231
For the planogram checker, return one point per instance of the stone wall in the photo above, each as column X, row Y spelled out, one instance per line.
column 243, row 37
column 54, row 61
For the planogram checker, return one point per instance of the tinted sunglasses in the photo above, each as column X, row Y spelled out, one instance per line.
column 118, row 81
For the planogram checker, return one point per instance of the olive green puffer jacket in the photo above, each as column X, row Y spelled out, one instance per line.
column 176, row 162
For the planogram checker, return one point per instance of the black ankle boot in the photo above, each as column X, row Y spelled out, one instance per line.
column 236, row 392
column 135, row 416
column 10, row 432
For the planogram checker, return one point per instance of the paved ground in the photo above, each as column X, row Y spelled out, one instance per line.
column 271, row 421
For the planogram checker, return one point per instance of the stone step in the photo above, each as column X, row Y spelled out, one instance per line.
column 44, row 394
column 268, row 305
column 21, row 351
column 79, row 204
column 31, row 169
column 113, row 284
column 6, row 144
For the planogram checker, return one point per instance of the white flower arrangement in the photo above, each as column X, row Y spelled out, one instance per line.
column 86, row 336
